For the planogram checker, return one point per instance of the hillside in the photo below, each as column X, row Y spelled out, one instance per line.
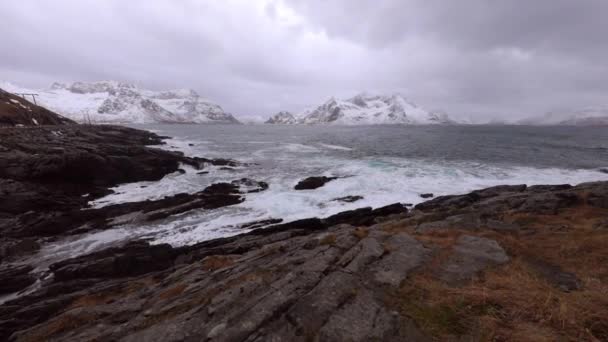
column 591, row 116
column 117, row 102
column 15, row 110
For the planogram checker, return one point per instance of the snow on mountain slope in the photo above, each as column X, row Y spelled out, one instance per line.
column 117, row 102
column 282, row 118
column 591, row 116
column 365, row 109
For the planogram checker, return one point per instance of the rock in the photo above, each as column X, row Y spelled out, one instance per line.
column 471, row 255
column 428, row 195
column 348, row 199
column 462, row 221
column 17, row 247
column 249, row 185
column 14, row 278
column 132, row 259
column 554, row 274
column 391, row 209
column 313, row 182
column 604, row 170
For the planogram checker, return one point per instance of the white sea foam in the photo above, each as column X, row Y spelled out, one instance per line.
column 336, row 147
column 380, row 180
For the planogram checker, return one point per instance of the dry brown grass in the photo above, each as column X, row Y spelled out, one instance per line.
column 361, row 233
column 58, row 325
column 216, row 262
column 329, row 239
column 513, row 302
column 173, row 292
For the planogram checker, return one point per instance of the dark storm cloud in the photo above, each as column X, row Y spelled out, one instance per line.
column 477, row 58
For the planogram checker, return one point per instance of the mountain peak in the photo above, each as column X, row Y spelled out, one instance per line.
column 366, row 108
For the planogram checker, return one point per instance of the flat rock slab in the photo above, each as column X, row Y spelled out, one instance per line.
column 471, row 255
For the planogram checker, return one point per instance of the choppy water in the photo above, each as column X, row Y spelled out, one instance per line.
column 385, row 164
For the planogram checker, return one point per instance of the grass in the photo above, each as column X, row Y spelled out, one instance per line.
column 216, row 262
column 328, row 239
column 514, row 302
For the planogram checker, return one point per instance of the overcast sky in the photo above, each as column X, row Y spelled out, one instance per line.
column 471, row 58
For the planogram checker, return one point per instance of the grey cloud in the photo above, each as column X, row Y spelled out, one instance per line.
column 469, row 57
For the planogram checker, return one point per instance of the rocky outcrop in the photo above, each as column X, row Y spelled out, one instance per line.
column 282, row 118
column 366, row 274
column 49, row 174
column 17, row 111
column 312, row 183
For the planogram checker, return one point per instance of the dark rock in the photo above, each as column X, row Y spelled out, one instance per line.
column 15, row 110
column 17, row 247
column 391, row 209
column 132, row 259
column 348, row 199
column 603, row 170
column 357, row 217
column 449, row 202
column 181, row 171
column 15, row 278
column 542, row 188
column 260, row 224
column 499, row 190
column 311, row 183
column 554, row 274
column 247, row 185
column 428, row 195
column 471, row 255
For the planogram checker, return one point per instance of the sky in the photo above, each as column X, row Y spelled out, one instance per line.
column 479, row 59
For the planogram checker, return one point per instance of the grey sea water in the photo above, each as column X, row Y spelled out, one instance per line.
column 383, row 164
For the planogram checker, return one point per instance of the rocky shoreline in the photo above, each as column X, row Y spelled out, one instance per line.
column 508, row 263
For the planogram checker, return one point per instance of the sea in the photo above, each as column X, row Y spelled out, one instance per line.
column 383, row 164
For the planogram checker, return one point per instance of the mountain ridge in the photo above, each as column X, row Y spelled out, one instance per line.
column 120, row 102
column 364, row 109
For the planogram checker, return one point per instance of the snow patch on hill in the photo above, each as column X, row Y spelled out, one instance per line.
column 364, row 109
column 118, row 102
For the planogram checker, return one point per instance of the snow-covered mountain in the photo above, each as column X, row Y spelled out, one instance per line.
column 591, row 116
column 364, row 109
column 282, row 118
column 117, row 102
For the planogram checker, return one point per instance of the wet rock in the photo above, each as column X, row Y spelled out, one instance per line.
column 313, row 182
column 132, row 259
column 247, row 185
column 391, row 209
column 14, row 278
column 348, row 199
column 427, row 195
column 471, row 255
column 17, row 247
column 357, row 217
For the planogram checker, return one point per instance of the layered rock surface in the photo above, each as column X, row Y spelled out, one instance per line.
column 486, row 267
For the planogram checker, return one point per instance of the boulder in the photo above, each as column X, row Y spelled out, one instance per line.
column 311, row 183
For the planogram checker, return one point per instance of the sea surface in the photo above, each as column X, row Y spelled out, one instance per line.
column 384, row 164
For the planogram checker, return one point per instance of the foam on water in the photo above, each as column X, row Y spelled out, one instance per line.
column 381, row 180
